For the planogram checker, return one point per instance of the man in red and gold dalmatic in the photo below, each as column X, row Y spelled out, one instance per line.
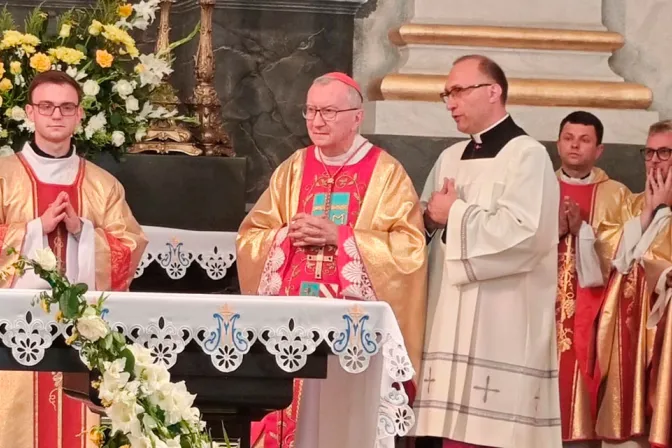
column 589, row 201
column 634, row 361
column 340, row 219
column 51, row 197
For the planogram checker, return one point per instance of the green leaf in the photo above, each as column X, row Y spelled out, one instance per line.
column 115, row 119
column 108, row 341
column 80, row 288
column 69, row 304
column 130, row 360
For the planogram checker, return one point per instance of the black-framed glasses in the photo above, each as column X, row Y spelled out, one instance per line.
column 328, row 113
column 457, row 91
column 663, row 153
column 47, row 108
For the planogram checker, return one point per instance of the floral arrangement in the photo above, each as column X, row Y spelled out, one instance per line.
column 145, row 408
column 95, row 47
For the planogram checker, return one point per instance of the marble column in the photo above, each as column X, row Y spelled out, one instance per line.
column 556, row 55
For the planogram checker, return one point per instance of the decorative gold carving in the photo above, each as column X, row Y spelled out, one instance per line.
column 166, row 135
column 529, row 92
column 507, row 37
column 204, row 100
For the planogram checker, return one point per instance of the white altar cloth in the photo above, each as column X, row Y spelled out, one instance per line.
column 176, row 249
column 361, row 403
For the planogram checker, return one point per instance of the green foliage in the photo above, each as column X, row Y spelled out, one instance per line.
column 6, row 20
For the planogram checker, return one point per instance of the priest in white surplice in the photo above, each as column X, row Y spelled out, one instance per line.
column 489, row 370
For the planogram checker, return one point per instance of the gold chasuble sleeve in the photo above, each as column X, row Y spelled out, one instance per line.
column 16, row 210
column 119, row 239
column 272, row 212
column 387, row 240
column 391, row 241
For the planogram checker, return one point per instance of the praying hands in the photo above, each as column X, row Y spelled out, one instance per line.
column 308, row 230
column 439, row 205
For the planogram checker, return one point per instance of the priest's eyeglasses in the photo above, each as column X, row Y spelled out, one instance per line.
column 663, row 153
column 328, row 114
column 457, row 91
column 66, row 109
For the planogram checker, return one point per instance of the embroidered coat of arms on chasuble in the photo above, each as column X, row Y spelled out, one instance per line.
column 380, row 253
column 577, row 308
column 634, row 360
column 34, row 411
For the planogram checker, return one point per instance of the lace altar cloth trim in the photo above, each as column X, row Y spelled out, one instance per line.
column 226, row 327
column 176, row 249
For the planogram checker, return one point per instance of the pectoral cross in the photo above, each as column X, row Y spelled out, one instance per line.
column 318, row 259
column 486, row 389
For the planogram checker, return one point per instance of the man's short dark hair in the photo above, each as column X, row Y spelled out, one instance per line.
column 586, row 119
column 54, row 77
column 490, row 69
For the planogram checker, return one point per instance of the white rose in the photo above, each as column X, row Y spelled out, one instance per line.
column 132, row 104
column 17, row 113
column 91, row 88
column 6, row 150
column 118, row 138
column 124, row 88
column 92, row 327
column 45, row 258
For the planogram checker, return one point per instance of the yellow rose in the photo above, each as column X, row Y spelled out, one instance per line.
column 40, row 62
column 104, row 59
column 2, row 69
column 29, row 39
column 29, row 49
column 125, row 10
column 15, row 67
column 95, row 28
column 65, row 30
column 5, row 85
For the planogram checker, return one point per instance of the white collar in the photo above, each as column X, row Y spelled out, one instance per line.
column 341, row 158
column 61, row 171
column 574, row 181
column 477, row 136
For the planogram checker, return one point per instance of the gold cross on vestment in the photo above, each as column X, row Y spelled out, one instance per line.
column 318, row 259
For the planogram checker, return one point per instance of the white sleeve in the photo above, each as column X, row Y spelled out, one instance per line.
column 664, row 296
column 34, row 240
column 516, row 233
column 634, row 243
column 81, row 256
column 588, row 266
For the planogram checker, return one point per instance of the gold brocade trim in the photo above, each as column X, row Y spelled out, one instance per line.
column 581, row 426
column 566, row 301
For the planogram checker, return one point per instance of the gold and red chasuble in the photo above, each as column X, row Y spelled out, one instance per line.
column 317, row 271
column 335, row 193
column 60, row 421
column 576, row 309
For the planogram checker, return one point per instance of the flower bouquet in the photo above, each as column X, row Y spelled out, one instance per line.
column 95, row 47
column 145, row 408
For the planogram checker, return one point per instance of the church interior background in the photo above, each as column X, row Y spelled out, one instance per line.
column 605, row 56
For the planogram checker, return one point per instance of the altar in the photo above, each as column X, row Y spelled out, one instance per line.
column 361, row 402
